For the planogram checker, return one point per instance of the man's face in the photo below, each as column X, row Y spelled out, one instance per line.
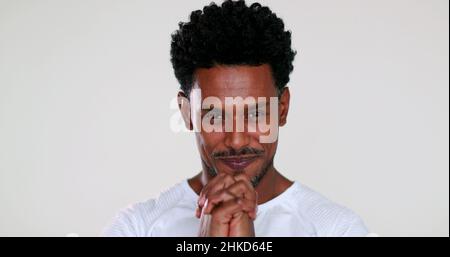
column 238, row 151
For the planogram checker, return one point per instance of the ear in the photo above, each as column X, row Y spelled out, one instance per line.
column 185, row 109
column 284, row 106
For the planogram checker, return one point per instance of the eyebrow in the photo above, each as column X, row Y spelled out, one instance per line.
column 251, row 107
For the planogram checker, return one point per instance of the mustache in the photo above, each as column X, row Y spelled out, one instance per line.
column 237, row 153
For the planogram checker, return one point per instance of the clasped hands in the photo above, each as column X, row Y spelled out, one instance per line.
column 227, row 207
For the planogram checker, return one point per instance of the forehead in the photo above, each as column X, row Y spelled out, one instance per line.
column 238, row 80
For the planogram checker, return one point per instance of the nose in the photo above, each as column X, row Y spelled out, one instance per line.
column 237, row 140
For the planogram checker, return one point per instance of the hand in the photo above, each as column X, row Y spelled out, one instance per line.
column 227, row 206
column 225, row 218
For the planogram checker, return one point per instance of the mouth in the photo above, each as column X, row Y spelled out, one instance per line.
column 238, row 163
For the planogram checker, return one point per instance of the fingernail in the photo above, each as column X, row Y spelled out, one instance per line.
column 201, row 201
column 197, row 212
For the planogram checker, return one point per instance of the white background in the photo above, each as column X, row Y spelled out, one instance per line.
column 85, row 88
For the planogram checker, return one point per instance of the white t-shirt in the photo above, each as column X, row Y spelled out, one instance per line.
column 298, row 211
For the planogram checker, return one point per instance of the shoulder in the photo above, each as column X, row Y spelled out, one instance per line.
column 137, row 219
column 327, row 217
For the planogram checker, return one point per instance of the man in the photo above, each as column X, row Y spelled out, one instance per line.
column 235, row 51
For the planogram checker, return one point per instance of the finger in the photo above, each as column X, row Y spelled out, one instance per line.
column 246, row 179
column 252, row 194
column 224, row 212
column 222, row 182
column 198, row 212
column 212, row 182
column 242, row 190
column 249, row 206
column 217, row 198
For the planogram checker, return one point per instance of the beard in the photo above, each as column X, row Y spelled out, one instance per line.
column 260, row 175
column 255, row 180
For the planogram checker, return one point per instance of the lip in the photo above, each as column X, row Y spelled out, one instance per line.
column 238, row 163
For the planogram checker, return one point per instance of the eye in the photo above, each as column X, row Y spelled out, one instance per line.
column 255, row 114
column 214, row 115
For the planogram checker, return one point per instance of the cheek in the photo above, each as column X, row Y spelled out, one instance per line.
column 270, row 149
column 253, row 140
column 208, row 142
column 267, row 135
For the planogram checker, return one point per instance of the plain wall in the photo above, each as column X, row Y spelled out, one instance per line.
column 85, row 91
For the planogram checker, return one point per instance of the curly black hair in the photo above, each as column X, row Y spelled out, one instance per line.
column 231, row 34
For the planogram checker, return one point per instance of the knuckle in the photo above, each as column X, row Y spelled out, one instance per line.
column 240, row 187
column 241, row 184
column 242, row 176
column 229, row 179
column 226, row 176
column 215, row 198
